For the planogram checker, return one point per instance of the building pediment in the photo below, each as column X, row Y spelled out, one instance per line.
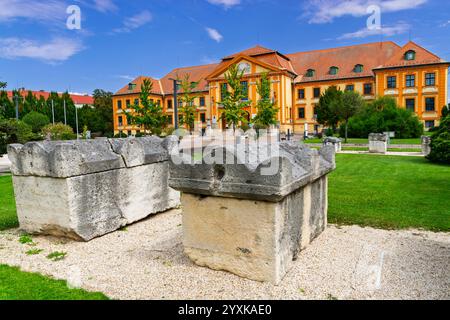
column 247, row 64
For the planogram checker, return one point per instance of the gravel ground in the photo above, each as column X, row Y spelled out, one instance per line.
column 146, row 261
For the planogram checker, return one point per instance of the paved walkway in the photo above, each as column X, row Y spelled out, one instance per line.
column 403, row 154
column 5, row 164
column 146, row 261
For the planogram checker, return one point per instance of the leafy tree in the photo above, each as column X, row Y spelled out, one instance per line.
column 7, row 109
column 148, row 114
column 267, row 112
column 235, row 101
column 440, row 143
column 104, row 108
column 383, row 115
column 328, row 108
column 13, row 131
column 58, row 131
column 446, row 111
column 3, row 85
column 36, row 121
column 352, row 102
column 189, row 109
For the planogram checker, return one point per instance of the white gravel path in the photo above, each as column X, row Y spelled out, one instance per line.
column 146, row 261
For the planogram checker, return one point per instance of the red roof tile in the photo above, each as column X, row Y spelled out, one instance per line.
column 423, row 56
column 157, row 89
column 77, row 99
column 196, row 74
column 369, row 55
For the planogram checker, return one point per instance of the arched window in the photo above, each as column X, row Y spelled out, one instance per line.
column 358, row 68
column 310, row 73
column 334, row 70
column 410, row 55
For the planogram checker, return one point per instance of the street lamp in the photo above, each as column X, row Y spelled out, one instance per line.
column 176, row 82
column 16, row 98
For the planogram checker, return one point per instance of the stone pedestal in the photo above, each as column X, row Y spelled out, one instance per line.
column 336, row 143
column 240, row 216
column 378, row 143
column 426, row 145
column 85, row 189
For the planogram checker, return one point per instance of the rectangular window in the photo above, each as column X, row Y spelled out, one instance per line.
column 223, row 90
column 136, row 102
column 203, row 117
column 119, row 104
column 410, row 80
column 430, row 104
column 170, row 119
column 350, row 87
column 429, row 124
column 430, row 79
column 202, row 101
column 411, row 105
column 244, row 85
column 301, row 113
column 120, row 121
column 129, row 133
column 301, row 94
column 169, row 104
column 392, row 82
column 367, row 88
column 128, row 102
column 316, row 92
column 180, row 103
column 315, row 111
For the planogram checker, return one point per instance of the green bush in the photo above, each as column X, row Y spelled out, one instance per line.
column 384, row 115
column 13, row 131
column 440, row 143
column 58, row 131
column 36, row 120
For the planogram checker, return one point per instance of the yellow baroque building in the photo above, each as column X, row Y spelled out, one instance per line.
column 415, row 77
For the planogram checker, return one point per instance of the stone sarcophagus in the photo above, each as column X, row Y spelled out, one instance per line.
column 251, row 211
column 378, row 143
column 335, row 142
column 85, row 189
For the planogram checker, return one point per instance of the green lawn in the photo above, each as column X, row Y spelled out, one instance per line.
column 8, row 217
column 390, row 192
column 366, row 141
column 18, row 285
column 389, row 149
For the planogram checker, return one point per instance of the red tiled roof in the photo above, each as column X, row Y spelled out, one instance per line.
column 196, row 74
column 76, row 98
column 157, row 89
column 371, row 55
column 423, row 56
column 255, row 51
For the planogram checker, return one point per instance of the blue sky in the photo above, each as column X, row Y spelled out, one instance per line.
column 119, row 39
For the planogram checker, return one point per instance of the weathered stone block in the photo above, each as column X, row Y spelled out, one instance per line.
column 91, row 199
column 334, row 142
column 240, row 218
column 378, row 143
column 426, row 145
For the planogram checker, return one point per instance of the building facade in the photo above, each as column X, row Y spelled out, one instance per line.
column 415, row 77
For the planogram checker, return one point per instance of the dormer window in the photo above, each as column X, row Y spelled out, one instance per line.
column 334, row 70
column 358, row 68
column 410, row 55
column 310, row 73
column 131, row 86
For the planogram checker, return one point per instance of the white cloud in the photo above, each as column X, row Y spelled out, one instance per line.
column 105, row 5
column 445, row 24
column 324, row 11
column 56, row 50
column 49, row 11
column 125, row 77
column 135, row 22
column 214, row 34
column 387, row 31
column 226, row 3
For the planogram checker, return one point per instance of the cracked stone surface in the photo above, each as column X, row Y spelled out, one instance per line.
column 85, row 189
